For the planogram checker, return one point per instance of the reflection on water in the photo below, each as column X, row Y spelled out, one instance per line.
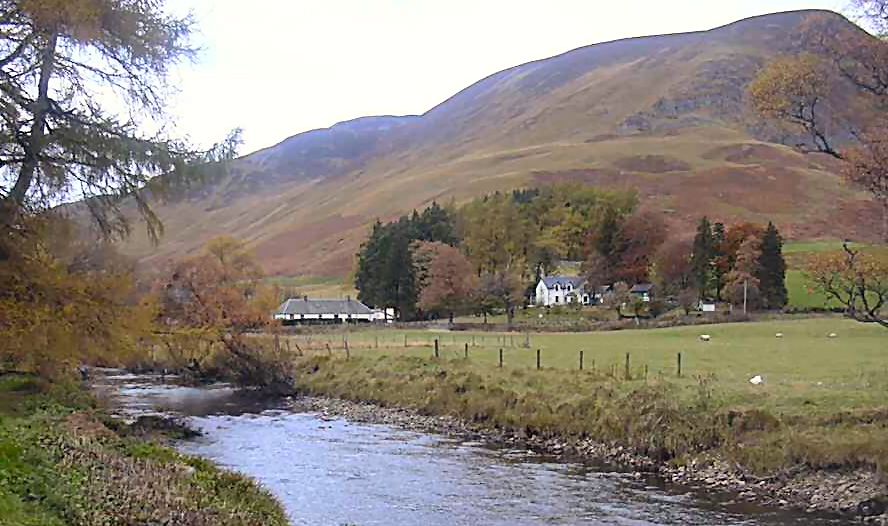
column 333, row 472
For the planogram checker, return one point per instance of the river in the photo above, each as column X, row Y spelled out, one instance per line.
column 336, row 472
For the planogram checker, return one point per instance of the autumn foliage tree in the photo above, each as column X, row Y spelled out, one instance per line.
column 209, row 304
column 65, row 303
column 83, row 85
column 795, row 91
column 450, row 282
column 855, row 279
column 672, row 264
column 836, row 93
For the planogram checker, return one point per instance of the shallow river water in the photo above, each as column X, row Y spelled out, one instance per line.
column 335, row 472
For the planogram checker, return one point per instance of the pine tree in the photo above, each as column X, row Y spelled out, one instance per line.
column 720, row 262
column 772, row 269
column 701, row 258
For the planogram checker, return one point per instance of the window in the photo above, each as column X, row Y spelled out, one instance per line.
column 557, row 286
column 570, row 287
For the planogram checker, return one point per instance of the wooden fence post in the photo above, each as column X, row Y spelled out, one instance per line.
column 538, row 359
column 628, row 373
column 436, row 347
column 501, row 358
column 405, row 339
column 467, row 351
column 581, row 360
column 679, row 365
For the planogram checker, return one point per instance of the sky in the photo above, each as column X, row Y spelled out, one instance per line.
column 276, row 68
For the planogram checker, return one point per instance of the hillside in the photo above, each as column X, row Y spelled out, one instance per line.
column 664, row 114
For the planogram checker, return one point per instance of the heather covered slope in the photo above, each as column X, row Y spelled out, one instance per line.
column 665, row 114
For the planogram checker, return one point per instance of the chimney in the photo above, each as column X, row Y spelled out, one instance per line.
column 305, row 298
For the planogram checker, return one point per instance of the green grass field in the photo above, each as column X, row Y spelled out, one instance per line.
column 804, row 371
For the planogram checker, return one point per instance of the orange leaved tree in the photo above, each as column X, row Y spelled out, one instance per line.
column 855, row 279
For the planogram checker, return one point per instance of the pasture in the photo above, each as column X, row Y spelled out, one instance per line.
column 805, row 371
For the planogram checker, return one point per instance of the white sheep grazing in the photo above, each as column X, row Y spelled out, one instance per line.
column 833, row 335
column 779, row 335
column 756, row 380
column 705, row 337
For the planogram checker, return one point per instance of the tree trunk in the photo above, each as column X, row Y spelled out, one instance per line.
column 35, row 143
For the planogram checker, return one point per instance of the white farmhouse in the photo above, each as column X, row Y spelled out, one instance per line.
column 304, row 310
column 561, row 290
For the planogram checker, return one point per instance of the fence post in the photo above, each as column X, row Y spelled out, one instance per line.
column 405, row 339
column 645, row 372
column 679, row 365
column 377, row 341
column 329, row 351
column 581, row 360
column 436, row 347
column 501, row 358
column 628, row 372
column 538, row 359
column 467, row 350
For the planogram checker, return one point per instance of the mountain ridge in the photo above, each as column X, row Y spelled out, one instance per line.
column 664, row 114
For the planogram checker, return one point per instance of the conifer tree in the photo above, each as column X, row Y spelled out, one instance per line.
column 721, row 264
column 66, row 68
column 701, row 258
column 772, row 269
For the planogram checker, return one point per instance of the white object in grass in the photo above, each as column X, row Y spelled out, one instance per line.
column 756, row 380
column 779, row 335
column 705, row 337
column 833, row 335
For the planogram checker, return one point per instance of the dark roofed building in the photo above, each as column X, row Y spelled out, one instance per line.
column 643, row 290
column 305, row 310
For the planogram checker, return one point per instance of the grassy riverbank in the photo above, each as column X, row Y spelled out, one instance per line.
column 62, row 462
column 822, row 404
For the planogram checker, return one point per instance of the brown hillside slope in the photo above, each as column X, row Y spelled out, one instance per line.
column 664, row 114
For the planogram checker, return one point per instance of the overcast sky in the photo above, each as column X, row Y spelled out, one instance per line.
column 279, row 67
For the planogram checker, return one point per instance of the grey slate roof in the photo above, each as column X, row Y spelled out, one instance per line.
column 641, row 288
column 309, row 306
column 576, row 281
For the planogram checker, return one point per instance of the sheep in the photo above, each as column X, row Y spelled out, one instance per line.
column 705, row 337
